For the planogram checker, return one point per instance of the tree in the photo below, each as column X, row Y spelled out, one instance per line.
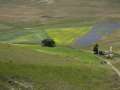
column 96, row 49
column 48, row 42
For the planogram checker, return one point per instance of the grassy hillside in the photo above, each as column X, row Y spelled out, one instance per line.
column 111, row 40
column 44, row 70
column 66, row 36
column 24, row 63
column 23, row 36
column 34, row 35
column 42, row 11
column 114, row 41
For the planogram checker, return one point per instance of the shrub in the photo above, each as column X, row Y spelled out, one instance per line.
column 96, row 49
column 48, row 42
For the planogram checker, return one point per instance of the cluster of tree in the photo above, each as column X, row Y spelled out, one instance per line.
column 48, row 42
column 108, row 54
column 96, row 49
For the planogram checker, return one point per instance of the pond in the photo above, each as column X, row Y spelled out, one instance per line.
column 98, row 31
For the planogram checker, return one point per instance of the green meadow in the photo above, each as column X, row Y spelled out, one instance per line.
column 26, row 65
column 35, row 35
column 66, row 36
column 23, row 59
column 53, row 68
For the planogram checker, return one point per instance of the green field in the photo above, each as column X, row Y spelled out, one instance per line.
column 111, row 40
column 15, row 34
column 34, row 35
column 114, row 41
column 53, row 68
column 26, row 65
column 66, row 36
column 24, row 60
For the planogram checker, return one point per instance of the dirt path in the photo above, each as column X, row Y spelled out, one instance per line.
column 24, row 85
column 112, row 66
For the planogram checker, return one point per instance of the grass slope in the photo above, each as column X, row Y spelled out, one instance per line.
column 66, row 36
column 67, row 52
column 45, row 70
column 42, row 11
column 15, row 34
column 18, row 34
column 111, row 40
column 114, row 41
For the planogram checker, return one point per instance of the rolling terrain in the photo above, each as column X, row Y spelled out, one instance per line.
column 112, row 39
column 43, row 11
column 53, row 69
column 34, row 35
column 75, row 25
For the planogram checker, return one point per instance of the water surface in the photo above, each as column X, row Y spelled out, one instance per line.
column 97, row 32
